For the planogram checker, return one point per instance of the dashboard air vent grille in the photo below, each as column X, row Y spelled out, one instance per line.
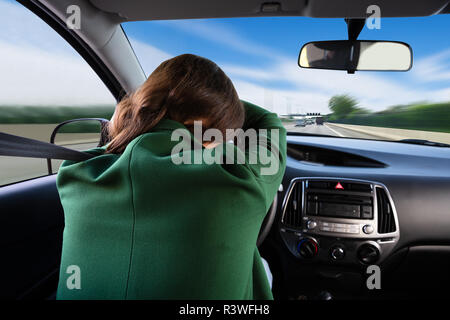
column 292, row 215
column 386, row 220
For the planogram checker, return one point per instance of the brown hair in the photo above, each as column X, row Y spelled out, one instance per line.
column 184, row 88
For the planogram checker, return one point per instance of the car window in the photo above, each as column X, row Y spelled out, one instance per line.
column 43, row 82
column 261, row 57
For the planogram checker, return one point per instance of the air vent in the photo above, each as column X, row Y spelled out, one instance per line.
column 292, row 215
column 386, row 220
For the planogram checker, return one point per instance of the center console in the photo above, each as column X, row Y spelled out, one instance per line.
column 339, row 220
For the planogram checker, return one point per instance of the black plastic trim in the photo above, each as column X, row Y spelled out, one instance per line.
column 331, row 157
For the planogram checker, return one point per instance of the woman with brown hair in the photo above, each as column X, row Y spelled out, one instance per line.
column 140, row 226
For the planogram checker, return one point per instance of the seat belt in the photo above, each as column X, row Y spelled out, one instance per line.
column 16, row 146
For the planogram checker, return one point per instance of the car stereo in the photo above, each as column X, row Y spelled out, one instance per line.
column 352, row 219
column 339, row 199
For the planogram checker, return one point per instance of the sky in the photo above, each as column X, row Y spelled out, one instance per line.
column 38, row 67
column 259, row 55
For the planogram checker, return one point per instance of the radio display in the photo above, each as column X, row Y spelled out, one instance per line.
column 334, row 205
column 339, row 210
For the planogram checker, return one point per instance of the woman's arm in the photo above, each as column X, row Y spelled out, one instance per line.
column 269, row 169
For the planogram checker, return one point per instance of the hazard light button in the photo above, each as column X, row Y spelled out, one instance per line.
column 339, row 186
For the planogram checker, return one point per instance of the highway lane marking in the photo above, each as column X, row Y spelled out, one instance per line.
column 339, row 134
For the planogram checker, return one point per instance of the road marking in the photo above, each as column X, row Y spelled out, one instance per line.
column 339, row 134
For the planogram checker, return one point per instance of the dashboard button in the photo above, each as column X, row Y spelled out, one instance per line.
column 366, row 212
column 311, row 224
column 367, row 229
column 337, row 253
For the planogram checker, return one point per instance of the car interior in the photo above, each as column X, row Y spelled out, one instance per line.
column 345, row 203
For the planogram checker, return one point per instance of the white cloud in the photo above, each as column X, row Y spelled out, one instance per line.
column 248, row 73
column 38, row 67
column 374, row 91
column 149, row 57
column 311, row 89
column 282, row 101
column 433, row 68
column 219, row 33
column 33, row 76
column 21, row 27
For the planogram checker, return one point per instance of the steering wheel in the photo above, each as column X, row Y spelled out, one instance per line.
column 268, row 221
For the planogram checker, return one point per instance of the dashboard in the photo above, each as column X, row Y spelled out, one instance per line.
column 355, row 221
column 351, row 203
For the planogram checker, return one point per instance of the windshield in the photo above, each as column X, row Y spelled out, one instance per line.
column 260, row 56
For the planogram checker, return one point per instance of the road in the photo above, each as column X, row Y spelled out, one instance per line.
column 327, row 130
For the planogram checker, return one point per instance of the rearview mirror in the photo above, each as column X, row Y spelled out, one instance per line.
column 360, row 55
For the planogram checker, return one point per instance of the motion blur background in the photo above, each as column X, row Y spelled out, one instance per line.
column 44, row 81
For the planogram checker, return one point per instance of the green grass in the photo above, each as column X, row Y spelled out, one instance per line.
column 81, row 127
column 426, row 117
column 52, row 114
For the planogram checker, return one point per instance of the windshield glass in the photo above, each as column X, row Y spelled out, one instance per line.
column 260, row 56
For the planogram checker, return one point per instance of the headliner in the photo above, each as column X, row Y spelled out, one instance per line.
column 132, row 10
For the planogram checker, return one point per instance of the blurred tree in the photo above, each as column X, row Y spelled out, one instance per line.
column 359, row 112
column 342, row 105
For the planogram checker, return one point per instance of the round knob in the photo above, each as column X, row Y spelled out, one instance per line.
column 367, row 229
column 307, row 248
column 337, row 253
column 368, row 253
column 311, row 224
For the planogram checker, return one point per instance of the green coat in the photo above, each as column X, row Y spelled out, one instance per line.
column 139, row 226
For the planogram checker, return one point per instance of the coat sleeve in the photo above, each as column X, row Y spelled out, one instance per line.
column 265, row 161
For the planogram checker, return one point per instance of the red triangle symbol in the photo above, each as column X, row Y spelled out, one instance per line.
column 339, row 186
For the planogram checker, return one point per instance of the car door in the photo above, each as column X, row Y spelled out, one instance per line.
column 44, row 81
